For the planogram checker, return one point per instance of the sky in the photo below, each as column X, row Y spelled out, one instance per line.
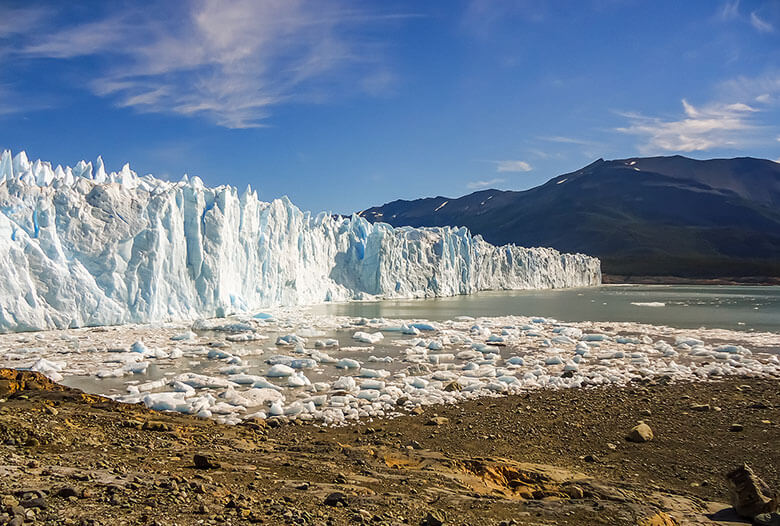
column 345, row 105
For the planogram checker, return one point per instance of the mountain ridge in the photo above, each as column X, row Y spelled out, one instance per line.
column 641, row 215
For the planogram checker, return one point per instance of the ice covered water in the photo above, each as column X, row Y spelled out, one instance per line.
column 80, row 246
column 293, row 364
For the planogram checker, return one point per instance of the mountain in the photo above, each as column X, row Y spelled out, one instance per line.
column 642, row 216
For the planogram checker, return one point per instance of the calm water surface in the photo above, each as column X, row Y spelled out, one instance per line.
column 746, row 308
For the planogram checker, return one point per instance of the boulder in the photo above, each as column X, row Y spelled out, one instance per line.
column 640, row 433
column 750, row 495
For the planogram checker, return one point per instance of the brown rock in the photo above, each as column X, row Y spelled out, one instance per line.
column 437, row 421
column 640, row 433
column 750, row 495
column 205, row 462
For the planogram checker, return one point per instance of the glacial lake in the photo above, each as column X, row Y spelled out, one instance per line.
column 743, row 308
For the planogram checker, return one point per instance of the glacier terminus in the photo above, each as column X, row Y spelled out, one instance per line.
column 83, row 247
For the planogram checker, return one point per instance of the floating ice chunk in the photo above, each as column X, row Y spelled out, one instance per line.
column 484, row 348
column 290, row 339
column 410, row 330
column 372, row 384
column 368, row 394
column 423, row 326
column 322, row 357
column 516, row 360
column 189, row 335
column 139, row 347
column 348, row 363
column 265, row 384
column 687, row 340
column 595, row 337
column 330, row 342
column 276, row 409
column 553, row 360
column 244, row 379
column 200, row 381
column 218, row 354
column 373, row 373
column 303, row 363
column 50, row 369
column 369, row 338
column 344, row 383
column 167, row 401
column 384, row 359
column 298, row 379
column 279, row 371
column 435, row 345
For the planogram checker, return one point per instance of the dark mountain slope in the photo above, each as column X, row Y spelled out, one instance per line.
column 650, row 216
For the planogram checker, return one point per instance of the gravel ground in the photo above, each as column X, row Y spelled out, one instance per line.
column 544, row 457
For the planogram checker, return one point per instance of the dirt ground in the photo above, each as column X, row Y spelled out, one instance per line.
column 544, row 457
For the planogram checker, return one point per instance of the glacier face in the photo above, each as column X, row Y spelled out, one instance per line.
column 79, row 246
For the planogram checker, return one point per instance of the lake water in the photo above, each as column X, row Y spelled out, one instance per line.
column 747, row 308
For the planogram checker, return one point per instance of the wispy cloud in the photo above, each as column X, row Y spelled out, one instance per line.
column 512, row 166
column 729, row 10
column 19, row 20
column 566, row 140
column 762, row 26
column 481, row 185
column 229, row 62
column 716, row 125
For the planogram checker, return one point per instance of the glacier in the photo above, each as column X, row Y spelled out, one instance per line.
column 83, row 247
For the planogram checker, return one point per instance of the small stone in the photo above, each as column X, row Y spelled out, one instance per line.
column 205, row 462
column 336, row 499
column 418, row 410
column 700, row 407
column 640, row 433
column 767, row 519
column 453, row 386
column 152, row 425
column 437, row 421
column 67, row 492
column 590, row 458
column 433, row 518
column 645, row 412
column 37, row 502
column 736, row 428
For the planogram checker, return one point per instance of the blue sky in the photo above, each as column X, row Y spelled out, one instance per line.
column 345, row 105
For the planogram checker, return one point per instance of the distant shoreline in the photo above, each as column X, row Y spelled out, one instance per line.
column 615, row 279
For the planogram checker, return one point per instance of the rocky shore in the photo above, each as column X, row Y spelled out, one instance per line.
column 566, row 457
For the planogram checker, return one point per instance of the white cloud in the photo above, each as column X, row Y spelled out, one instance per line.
column 512, row 166
column 730, row 10
column 716, row 125
column 762, row 26
column 227, row 61
column 481, row 185
column 19, row 20
column 567, row 140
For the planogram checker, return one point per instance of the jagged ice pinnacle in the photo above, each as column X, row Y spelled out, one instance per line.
column 79, row 246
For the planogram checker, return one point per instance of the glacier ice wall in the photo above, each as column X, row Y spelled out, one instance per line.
column 79, row 246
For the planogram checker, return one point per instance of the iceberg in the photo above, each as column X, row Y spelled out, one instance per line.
column 83, row 247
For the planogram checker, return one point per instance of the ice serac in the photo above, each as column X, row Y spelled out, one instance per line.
column 80, row 249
